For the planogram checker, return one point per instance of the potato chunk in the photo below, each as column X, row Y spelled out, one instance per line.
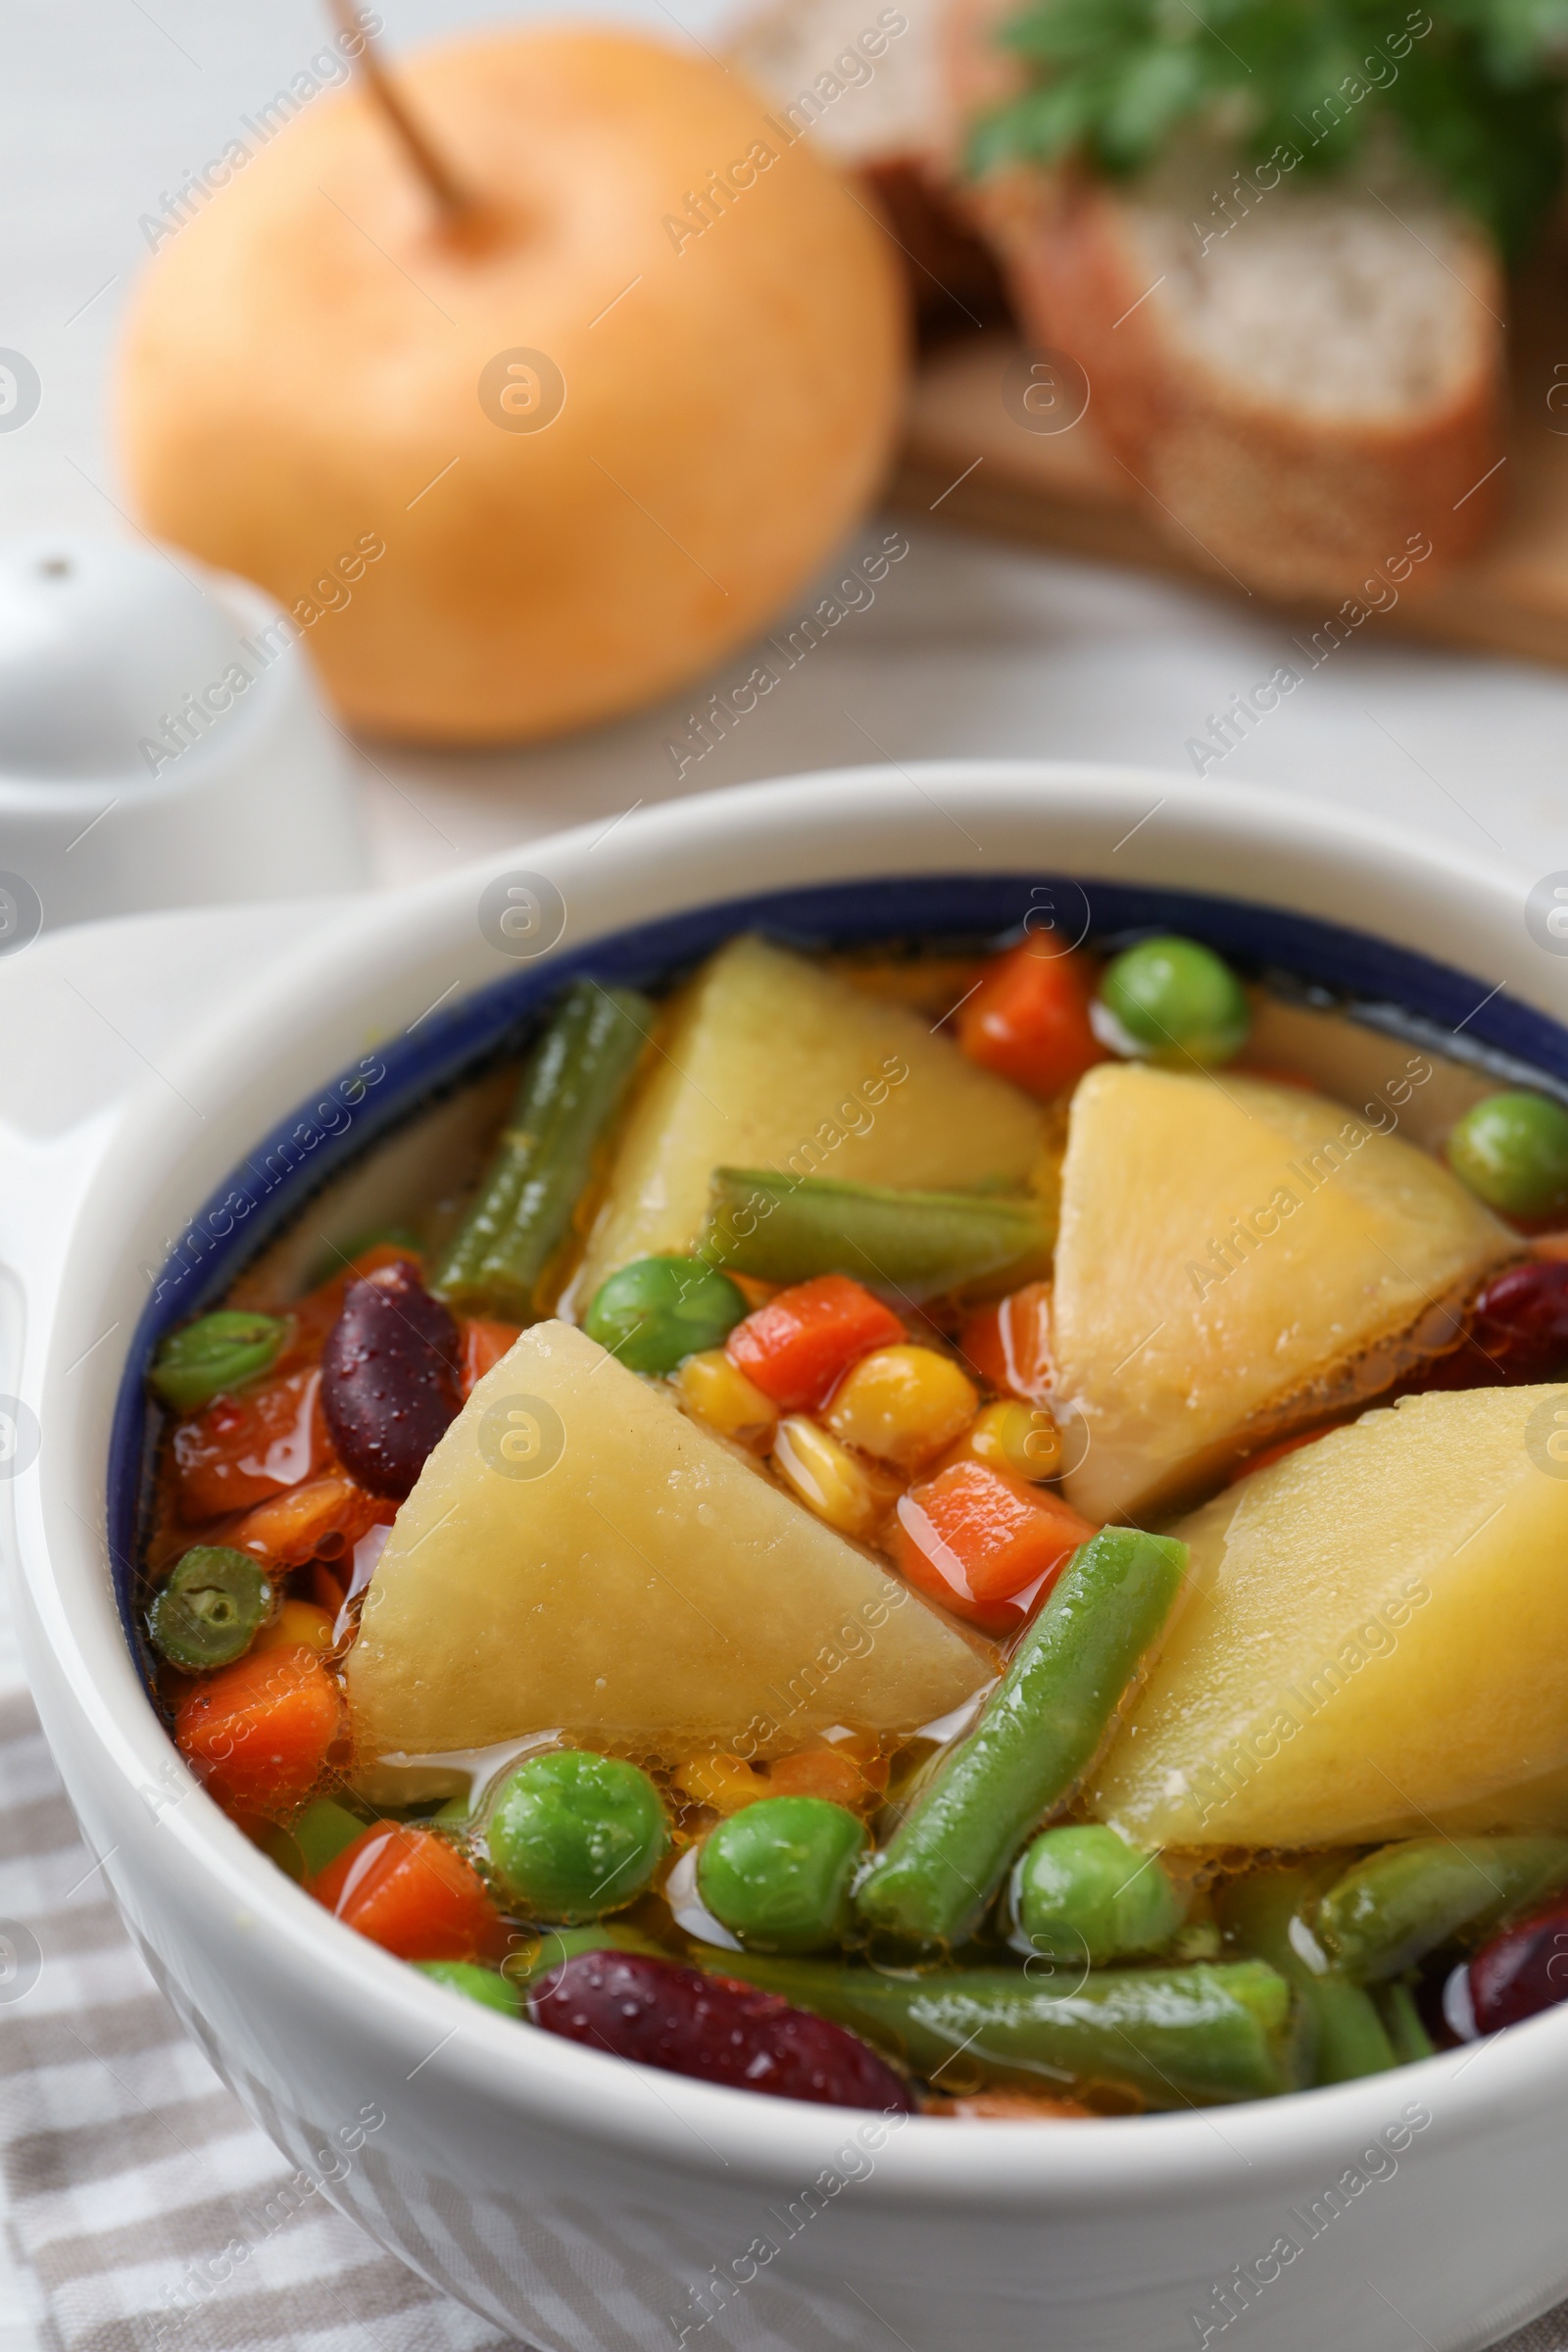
column 1375, row 1635
column 579, row 1555
column 1235, row 1258
column 776, row 1062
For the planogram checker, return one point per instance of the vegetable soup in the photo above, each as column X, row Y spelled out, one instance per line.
column 964, row 1529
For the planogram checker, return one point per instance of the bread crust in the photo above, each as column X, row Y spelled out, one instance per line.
column 1293, row 503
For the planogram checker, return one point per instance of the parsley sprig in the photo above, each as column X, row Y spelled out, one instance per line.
column 1474, row 90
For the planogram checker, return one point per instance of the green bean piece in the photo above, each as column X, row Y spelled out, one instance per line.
column 323, row 1830
column 788, row 1229
column 1406, row 2028
column 1270, row 1914
column 572, row 1086
column 486, row 1986
column 1176, row 2036
column 1406, row 1899
column 1037, row 1734
column 573, row 1834
column 778, row 1873
column 215, row 1355
column 1082, row 1895
column 211, row 1608
column 655, row 1312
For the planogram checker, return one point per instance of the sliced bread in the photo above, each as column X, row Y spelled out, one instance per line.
column 864, row 80
column 1301, row 379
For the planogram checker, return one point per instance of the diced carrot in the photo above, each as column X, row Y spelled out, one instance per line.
column 257, row 1733
column 327, row 1515
column 851, row 1773
column 1009, row 1344
column 986, row 1545
column 243, row 1450
column 410, row 1890
column 799, row 1345
column 484, row 1343
column 1028, row 1020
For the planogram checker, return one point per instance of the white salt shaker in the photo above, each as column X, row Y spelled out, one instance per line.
column 161, row 742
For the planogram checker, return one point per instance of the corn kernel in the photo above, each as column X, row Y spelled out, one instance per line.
column 715, row 1391
column 1016, row 1437
column 298, row 1624
column 829, row 1479
column 724, row 1783
column 902, row 1404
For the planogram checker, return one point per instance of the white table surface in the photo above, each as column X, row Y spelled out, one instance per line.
column 967, row 650
column 106, row 103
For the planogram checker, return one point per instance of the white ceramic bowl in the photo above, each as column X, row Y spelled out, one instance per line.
column 589, row 2205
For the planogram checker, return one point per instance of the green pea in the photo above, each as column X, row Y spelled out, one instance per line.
column 573, row 1834
column 779, row 1874
column 211, row 1610
column 1513, row 1151
column 486, row 1986
column 210, row 1357
column 1083, row 1895
column 1174, row 1001
column 658, row 1311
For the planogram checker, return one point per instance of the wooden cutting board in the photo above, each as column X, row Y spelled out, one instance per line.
column 965, row 459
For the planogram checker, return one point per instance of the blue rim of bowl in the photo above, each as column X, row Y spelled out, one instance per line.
column 1392, row 986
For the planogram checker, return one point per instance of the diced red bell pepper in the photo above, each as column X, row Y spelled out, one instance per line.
column 410, row 1890
column 257, row 1733
column 484, row 1343
column 1009, row 1344
column 1028, row 1020
column 984, row 1544
column 797, row 1348
column 245, row 1449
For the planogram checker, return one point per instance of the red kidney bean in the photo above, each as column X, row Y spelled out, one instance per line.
column 1522, row 1971
column 715, row 2028
column 1516, row 1333
column 1521, row 1320
column 390, row 1377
